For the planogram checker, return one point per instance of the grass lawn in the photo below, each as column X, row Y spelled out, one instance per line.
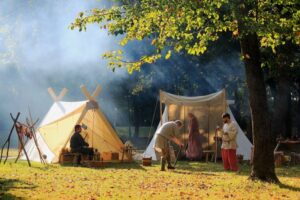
column 192, row 180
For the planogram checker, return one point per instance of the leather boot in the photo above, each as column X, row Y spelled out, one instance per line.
column 163, row 164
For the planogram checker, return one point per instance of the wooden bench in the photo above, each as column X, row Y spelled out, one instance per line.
column 285, row 152
column 208, row 153
column 69, row 157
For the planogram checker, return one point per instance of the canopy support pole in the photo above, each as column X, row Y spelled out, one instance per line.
column 208, row 128
column 160, row 107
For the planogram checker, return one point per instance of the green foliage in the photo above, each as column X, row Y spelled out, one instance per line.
column 191, row 26
column 280, row 22
column 143, row 83
column 116, row 60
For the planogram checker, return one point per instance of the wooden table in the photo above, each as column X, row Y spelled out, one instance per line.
column 290, row 147
column 288, row 143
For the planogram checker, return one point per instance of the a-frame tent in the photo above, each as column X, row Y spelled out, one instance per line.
column 57, row 127
column 208, row 110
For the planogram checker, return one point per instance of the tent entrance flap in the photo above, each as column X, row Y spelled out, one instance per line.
column 56, row 134
column 99, row 134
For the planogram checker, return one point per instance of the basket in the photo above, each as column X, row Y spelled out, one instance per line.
column 110, row 156
column 147, row 161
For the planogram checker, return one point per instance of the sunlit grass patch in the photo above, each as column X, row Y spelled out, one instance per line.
column 191, row 180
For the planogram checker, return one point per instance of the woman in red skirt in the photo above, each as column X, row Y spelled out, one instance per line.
column 194, row 150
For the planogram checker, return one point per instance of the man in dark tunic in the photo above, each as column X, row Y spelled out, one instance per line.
column 78, row 145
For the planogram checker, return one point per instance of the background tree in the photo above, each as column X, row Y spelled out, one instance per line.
column 192, row 26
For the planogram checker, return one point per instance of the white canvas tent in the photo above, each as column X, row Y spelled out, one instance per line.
column 208, row 110
column 57, row 127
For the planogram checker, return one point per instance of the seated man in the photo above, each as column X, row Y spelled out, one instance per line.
column 78, row 145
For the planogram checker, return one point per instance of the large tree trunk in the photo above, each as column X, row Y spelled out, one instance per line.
column 263, row 161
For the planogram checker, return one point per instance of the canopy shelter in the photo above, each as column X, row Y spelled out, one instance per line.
column 208, row 110
column 57, row 127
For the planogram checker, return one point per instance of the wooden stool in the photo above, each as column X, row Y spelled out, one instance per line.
column 212, row 153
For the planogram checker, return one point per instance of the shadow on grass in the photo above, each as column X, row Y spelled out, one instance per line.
column 244, row 169
column 125, row 165
column 208, row 168
column 188, row 172
column 7, row 184
column 288, row 187
column 132, row 165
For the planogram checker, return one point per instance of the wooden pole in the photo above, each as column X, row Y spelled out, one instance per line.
column 160, row 107
column 22, row 145
column 185, row 141
column 216, row 141
column 8, row 139
column 31, row 125
column 208, row 125
column 225, row 102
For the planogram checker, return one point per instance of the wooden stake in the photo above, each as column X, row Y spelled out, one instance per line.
column 31, row 125
column 22, row 144
column 160, row 107
column 8, row 139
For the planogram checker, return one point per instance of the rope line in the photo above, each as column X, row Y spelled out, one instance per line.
column 153, row 116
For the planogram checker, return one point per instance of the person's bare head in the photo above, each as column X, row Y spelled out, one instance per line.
column 226, row 118
column 77, row 128
column 179, row 123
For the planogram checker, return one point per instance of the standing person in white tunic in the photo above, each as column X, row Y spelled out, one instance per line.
column 229, row 143
column 165, row 134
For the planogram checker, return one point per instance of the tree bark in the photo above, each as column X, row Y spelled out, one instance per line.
column 263, row 162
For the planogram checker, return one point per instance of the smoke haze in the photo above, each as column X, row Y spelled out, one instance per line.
column 38, row 50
